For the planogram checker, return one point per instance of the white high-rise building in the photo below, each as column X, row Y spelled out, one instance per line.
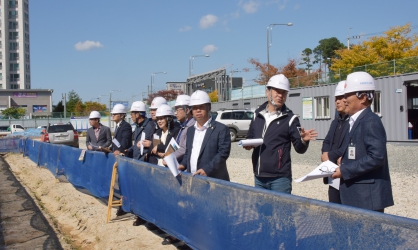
column 14, row 44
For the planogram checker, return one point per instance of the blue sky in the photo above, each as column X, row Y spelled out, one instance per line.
column 95, row 46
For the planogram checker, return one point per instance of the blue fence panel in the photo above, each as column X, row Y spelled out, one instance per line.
column 8, row 145
column 93, row 173
column 48, row 156
column 32, row 150
column 213, row 214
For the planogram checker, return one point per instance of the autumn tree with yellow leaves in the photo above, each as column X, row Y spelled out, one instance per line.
column 396, row 43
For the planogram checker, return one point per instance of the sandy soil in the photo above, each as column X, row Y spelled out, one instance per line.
column 80, row 219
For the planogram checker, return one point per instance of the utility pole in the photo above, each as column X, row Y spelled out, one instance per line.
column 64, row 102
column 348, row 39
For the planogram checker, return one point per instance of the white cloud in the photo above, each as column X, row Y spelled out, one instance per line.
column 209, row 48
column 208, row 21
column 185, row 29
column 87, row 45
column 250, row 6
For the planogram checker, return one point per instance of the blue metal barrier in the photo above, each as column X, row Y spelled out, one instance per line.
column 9, row 145
column 214, row 214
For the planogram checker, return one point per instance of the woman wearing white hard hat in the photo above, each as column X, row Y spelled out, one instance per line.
column 166, row 132
column 98, row 136
column 364, row 170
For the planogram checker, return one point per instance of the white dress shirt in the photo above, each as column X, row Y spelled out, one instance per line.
column 199, row 135
column 354, row 117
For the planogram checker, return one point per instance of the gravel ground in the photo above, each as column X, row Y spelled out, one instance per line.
column 402, row 167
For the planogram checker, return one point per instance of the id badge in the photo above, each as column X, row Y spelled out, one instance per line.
column 351, row 151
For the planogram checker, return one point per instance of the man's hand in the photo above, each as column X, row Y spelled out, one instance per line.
column 89, row 147
column 145, row 143
column 339, row 161
column 309, row 135
column 154, row 150
column 164, row 163
column 324, row 157
column 200, row 172
column 161, row 155
column 337, row 173
column 181, row 168
column 117, row 152
column 248, row 147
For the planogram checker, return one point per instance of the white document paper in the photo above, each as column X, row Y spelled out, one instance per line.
column 172, row 164
column 140, row 142
column 335, row 183
column 326, row 169
column 250, row 142
column 117, row 144
column 156, row 137
column 174, row 144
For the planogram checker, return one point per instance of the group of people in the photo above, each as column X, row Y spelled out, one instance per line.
column 356, row 141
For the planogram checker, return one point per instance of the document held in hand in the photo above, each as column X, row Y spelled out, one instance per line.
column 250, row 142
column 156, row 140
column 326, row 169
column 142, row 146
column 171, row 161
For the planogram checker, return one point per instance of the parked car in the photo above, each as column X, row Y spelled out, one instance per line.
column 61, row 133
column 5, row 130
column 238, row 121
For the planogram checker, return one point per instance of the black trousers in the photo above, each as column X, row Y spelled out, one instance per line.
column 334, row 195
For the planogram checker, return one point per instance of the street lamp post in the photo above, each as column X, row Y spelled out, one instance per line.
column 269, row 39
column 191, row 62
column 152, row 78
column 101, row 96
column 110, row 104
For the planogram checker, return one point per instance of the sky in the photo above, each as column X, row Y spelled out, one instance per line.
column 96, row 46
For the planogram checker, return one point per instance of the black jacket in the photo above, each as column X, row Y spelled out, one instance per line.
column 147, row 127
column 272, row 158
column 173, row 132
column 124, row 136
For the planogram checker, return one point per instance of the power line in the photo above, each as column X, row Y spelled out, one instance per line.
column 377, row 33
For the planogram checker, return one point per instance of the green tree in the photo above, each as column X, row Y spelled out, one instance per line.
column 13, row 112
column 73, row 99
column 59, row 107
column 325, row 51
column 306, row 58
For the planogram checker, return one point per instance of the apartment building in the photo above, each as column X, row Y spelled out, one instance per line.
column 14, row 45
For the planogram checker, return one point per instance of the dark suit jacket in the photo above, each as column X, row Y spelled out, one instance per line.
column 124, row 136
column 214, row 152
column 147, row 127
column 104, row 140
column 333, row 155
column 366, row 181
column 161, row 147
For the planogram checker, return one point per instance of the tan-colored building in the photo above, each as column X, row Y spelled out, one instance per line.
column 37, row 102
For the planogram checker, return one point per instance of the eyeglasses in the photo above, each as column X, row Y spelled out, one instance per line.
column 179, row 109
column 325, row 169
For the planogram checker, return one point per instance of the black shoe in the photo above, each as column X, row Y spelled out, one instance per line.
column 184, row 247
column 170, row 240
column 139, row 221
column 120, row 212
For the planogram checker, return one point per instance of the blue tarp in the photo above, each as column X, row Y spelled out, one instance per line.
column 213, row 214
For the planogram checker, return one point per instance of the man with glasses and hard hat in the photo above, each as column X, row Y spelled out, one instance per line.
column 208, row 141
column 122, row 137
column 142, row 124
column 364, row 170
column 279, row 128
column 98, row 135
column 185, row 118
column 335, row 143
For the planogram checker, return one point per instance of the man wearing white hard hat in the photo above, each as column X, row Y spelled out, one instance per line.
column 142, row 124
column 208, row 141
column 279, row 128
column 184, row 116
column 364, row 170
column 335, row 143
column 122, row 137
column 98, row 135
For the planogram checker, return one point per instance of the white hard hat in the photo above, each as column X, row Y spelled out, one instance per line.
column 164, row 110
column 339, row 90
column 118, row 109
column 359, row 81
column 199, row 97
column 279, row 82
column 138, row 106
column 157, row 102
column 94, row 115
column 182, row 100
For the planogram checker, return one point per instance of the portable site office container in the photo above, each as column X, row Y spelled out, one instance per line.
column 396, row 102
